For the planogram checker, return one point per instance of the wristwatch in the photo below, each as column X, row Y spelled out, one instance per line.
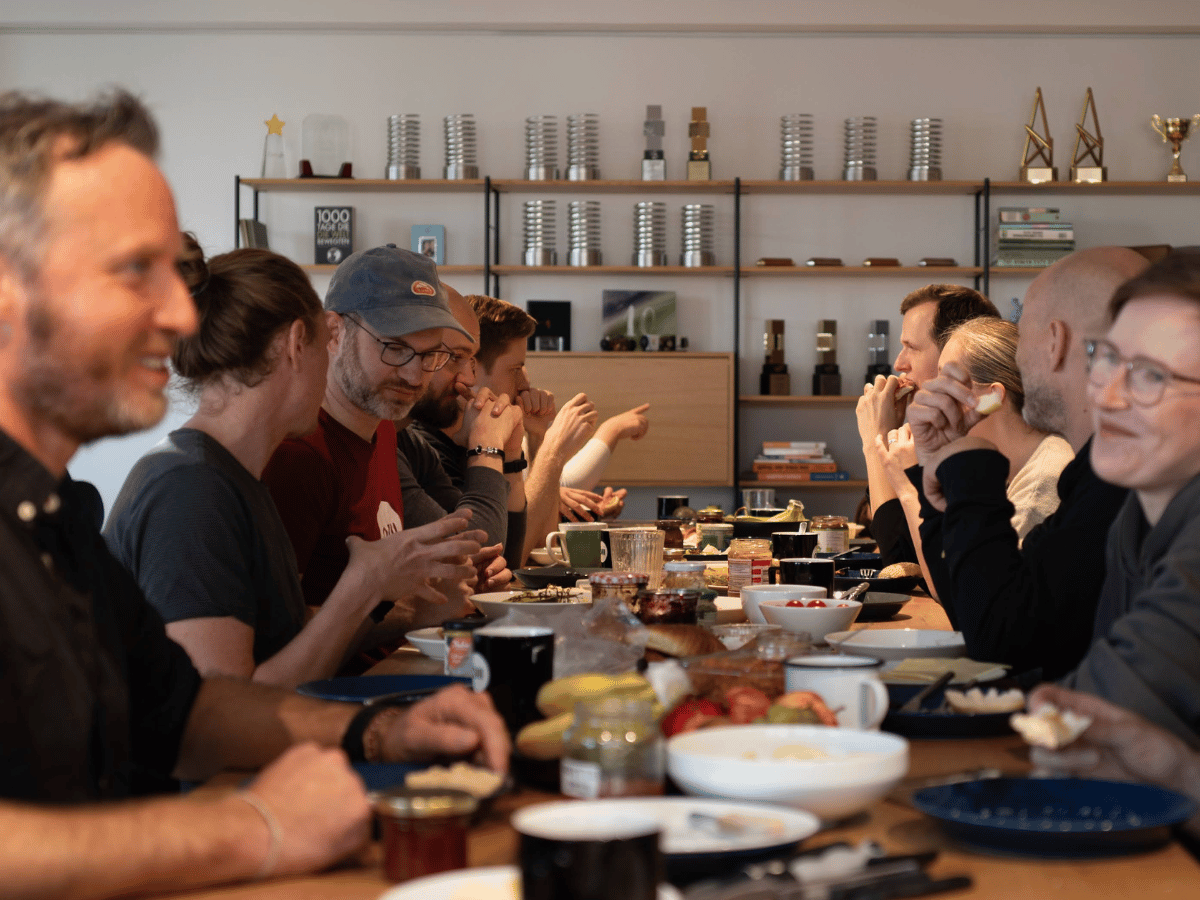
column 486, row 451
column 511, row 467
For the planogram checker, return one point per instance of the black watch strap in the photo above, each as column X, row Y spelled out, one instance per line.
column 352, row 740
column 516, row 465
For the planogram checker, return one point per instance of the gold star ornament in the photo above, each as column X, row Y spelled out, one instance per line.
column 274, row 125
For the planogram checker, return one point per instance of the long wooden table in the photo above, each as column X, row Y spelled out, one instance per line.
column 1167, row 872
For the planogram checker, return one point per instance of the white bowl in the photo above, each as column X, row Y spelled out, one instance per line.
column 500, row 603
column 429, row 641
column 754, row 594
column 739, row 763
column 816, row 621
column 899, row 643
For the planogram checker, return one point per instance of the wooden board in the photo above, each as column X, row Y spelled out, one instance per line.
column 691, row 410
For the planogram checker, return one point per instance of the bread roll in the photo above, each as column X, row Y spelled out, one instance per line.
column 899, row 570
column 682, row 640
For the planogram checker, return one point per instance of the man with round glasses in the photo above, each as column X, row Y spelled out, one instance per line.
column 1028, row 604
column 1144, row 387
column 388, row 320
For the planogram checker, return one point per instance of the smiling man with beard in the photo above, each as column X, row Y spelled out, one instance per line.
column 387, row 318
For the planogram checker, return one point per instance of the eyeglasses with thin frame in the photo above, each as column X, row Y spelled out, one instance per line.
column 1145, row 379
column 462, row 360
column 399, row 354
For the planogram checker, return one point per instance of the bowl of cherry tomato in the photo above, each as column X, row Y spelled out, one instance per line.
column 814, row 616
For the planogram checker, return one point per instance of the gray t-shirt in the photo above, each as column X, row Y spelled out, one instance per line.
column 204, row 540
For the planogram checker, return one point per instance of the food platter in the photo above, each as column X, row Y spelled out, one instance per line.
column 499, row 603
column 1055, row 817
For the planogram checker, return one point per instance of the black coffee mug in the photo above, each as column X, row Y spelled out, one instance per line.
column 512, row 662
column 793, row 544
column 817, row 572
column 668, row 504
column 570, row 855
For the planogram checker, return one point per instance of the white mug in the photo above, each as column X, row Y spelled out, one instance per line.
column 754, row 594
column 849, row 685
column 556, row 544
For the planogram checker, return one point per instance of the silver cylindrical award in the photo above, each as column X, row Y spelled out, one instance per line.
column 583, row 233
column 650, row 234
column 404, row 147
column 925, row 150
column 541, row 148
column 540, row 226
column 461, row 148
column 859, row 149
column 698, row 220
column 796, row 147
column 583, row 147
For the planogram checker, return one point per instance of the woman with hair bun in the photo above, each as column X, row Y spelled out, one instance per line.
column 200, row 531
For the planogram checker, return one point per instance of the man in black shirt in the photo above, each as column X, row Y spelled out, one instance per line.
column 1030, row 605
column 96, row 703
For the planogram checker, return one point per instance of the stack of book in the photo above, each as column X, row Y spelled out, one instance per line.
column 796, row 461
column 1031, row 237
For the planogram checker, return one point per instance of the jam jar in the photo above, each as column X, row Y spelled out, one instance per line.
column 749, row 559
column 689, row 576
column 614, row 748
column 833, row 534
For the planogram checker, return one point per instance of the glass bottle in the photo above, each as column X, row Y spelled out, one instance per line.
column 614, row 748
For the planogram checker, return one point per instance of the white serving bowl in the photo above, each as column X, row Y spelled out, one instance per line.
column 738, row 763
column 816, row 621
column 500, row 603
column 899, row 643
column 754, row 594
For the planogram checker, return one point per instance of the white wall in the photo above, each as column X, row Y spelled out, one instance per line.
column 214, row 72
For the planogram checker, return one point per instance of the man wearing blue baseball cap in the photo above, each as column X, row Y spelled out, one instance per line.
column 387, row 315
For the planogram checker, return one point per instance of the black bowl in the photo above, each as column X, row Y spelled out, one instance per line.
column 848, row 578
column 549, row 576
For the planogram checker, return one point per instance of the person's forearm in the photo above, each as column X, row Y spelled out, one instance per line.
column 541, row 495
column 879, row 485
column 243, row 725
column 910, row 502
column 116, row 849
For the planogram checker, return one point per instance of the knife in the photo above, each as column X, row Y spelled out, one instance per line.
column 913, row 704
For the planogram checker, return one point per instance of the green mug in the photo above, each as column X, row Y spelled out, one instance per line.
column 580, row 545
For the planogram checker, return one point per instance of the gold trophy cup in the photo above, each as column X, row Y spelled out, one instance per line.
column 1174, row 130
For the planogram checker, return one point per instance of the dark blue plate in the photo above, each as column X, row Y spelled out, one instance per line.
column 931, row 721
column 381, row 776
column 1055, row 817
column 361, row 688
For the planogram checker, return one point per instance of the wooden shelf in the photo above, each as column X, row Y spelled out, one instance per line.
column 861, row 271
column 322, row 269
column 723, row 271
column 798, row 400
column 520, row 186
column 871, row 188
column 356, row 185
column 819, row 485
column 1109, row 188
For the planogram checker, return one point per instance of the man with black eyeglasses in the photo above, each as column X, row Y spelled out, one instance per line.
column 388, row 321
column 1029, row 605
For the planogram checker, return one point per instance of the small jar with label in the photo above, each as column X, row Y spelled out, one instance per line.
column 457, row 635
column 710, row 515
column 689, row 576
column 749, row 559
column 614, row 748
column 833, row 534
column 617, row 585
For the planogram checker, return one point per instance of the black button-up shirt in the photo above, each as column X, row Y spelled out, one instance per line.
column 94, row 696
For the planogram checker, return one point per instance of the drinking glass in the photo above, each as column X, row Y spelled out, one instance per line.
column 638, row 550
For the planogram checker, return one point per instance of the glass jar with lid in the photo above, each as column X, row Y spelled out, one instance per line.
column 689, row 576
column 614, row 748
column 833, row 534
column 749, row 559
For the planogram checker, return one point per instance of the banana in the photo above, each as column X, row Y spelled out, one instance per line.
column 561, row 695
column 543, row 740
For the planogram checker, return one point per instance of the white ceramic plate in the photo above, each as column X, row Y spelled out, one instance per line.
column 898, row 643
column 541, row 557
column 490, row 882
column 497, row 604
column 781, row 827
column 429, row 641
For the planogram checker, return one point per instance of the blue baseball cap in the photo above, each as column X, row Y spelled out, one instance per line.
column 396, row 292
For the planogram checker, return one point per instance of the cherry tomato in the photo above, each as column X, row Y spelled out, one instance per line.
column 795, row 603
column 817, row 603
column 843, row 606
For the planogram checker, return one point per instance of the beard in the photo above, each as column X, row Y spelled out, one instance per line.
column 351, row 377
column 437, row 412
column 1043, row 408
column 79, row 396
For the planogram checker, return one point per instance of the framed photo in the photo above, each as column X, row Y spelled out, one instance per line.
column 430, row 240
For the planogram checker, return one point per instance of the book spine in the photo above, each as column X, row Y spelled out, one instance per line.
column 761, row 467
column 795, row 445
column 1036, row 234
column 802, row 476
column 1028, row 214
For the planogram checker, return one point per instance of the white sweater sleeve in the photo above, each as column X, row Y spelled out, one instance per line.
column 586, row 468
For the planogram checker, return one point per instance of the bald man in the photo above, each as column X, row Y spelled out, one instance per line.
column 1029, row 605
column 493, row 488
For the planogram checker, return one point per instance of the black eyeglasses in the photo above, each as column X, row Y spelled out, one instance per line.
column 398, row 353
column 1145, row 379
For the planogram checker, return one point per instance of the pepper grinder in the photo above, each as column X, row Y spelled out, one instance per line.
column 774, row 380
column 827, row 379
